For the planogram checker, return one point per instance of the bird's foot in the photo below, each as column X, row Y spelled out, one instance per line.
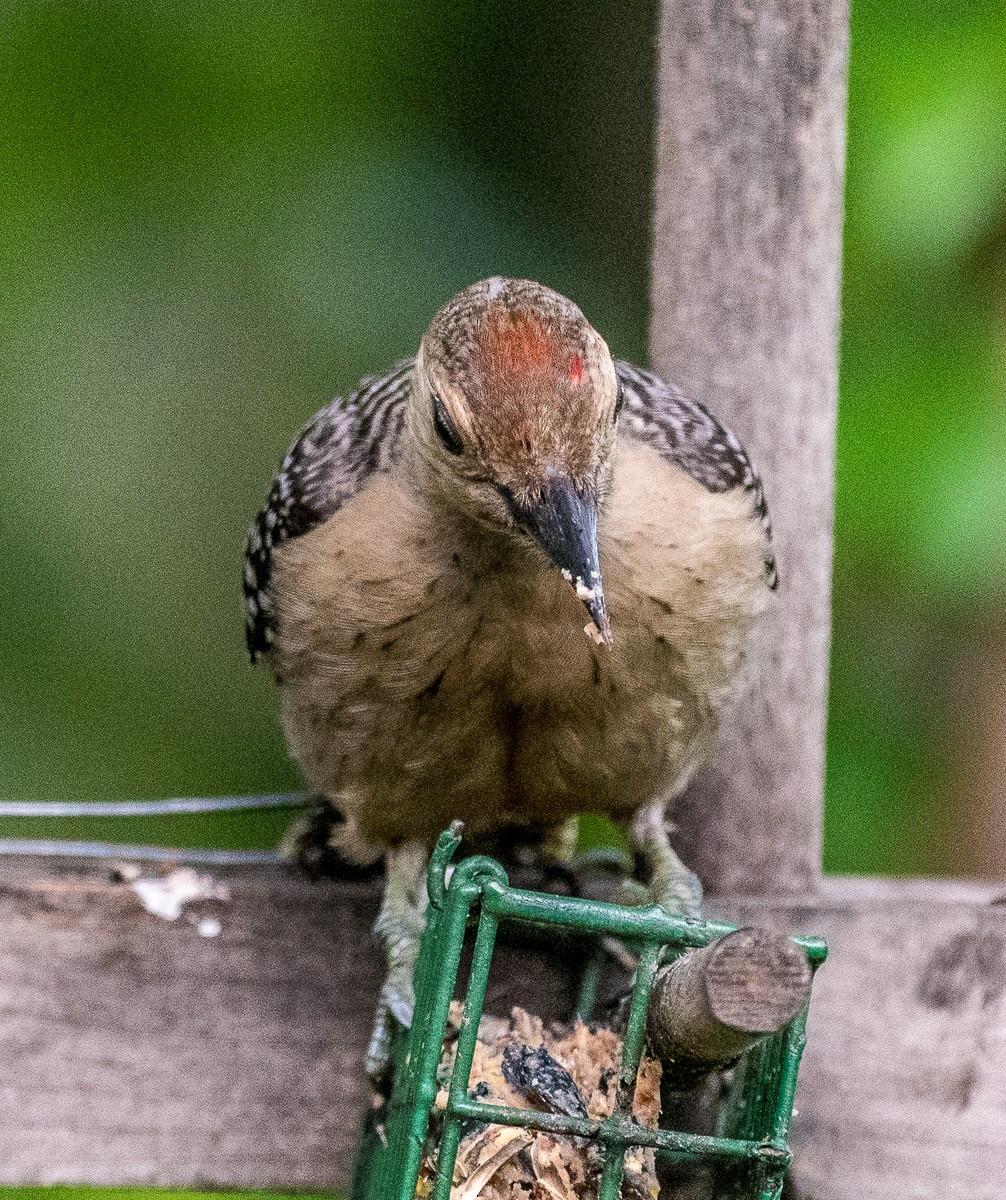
column 311, row 844
column 670, row 883
column 400, row 925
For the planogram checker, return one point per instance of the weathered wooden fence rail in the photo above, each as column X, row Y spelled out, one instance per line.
column 135, row 1050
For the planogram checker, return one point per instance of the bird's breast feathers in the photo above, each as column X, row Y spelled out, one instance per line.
column 425, row 678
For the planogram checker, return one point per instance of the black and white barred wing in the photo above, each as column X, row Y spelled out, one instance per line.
column 684, row 432
column 342, row 446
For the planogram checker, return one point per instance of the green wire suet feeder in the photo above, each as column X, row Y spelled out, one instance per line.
column 749, row 1152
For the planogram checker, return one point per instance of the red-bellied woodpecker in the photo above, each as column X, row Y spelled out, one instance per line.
column 510, row 581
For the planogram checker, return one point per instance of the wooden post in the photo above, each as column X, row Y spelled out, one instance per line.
column 747, row 238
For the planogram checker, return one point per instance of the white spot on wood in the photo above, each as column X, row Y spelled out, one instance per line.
column 165, row 896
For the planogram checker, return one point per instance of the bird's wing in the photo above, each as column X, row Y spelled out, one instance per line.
column 341, row 447
column 685, row 433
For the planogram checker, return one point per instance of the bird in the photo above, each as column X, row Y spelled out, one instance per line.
column 512, row 580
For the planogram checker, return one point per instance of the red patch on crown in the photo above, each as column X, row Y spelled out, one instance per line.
column 526, row 398
column 516, row 343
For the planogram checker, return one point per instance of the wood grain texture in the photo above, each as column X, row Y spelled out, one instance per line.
column 712, row 1004
column 746, row 257
column 135, row 1051
column 903, row 1086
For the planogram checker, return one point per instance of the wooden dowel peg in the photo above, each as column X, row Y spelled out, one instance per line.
column 711, row 1005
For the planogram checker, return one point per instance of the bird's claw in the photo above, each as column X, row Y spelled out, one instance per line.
column 395, row 1006
column 378, row 1061
column 399, row 996
column 678, row 893
column 671, row 884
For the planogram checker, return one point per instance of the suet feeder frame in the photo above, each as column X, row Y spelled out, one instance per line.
column 749, row 1152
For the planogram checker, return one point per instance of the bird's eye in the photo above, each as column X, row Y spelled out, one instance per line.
column 619, row 399
column 444, row 426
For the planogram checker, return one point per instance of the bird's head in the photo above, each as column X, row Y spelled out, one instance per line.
column 515, row 409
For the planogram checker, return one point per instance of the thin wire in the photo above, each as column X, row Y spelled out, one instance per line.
column 46, row 847
column 146, row 808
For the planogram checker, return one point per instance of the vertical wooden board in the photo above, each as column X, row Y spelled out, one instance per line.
column 746, row 257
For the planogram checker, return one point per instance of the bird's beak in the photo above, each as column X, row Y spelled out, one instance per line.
column 564, row 524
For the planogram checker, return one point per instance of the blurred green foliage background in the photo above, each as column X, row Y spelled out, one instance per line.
column 215, row 216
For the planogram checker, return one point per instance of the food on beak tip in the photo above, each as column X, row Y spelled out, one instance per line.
column 595, row 635
column 582, row 591
column 592, row 598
